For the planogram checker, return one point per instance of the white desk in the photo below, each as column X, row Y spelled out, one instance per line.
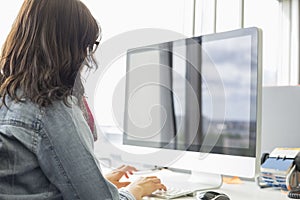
column 245, row 191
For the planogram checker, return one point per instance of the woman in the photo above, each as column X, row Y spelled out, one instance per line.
column 45, row 142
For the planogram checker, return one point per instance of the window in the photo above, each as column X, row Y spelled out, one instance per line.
column 255, row 15
column 279, row 21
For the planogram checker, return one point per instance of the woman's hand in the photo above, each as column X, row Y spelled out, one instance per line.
column 144, row 186
column 115, row 175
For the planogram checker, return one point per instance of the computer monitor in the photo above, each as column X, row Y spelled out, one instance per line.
column 195, row 103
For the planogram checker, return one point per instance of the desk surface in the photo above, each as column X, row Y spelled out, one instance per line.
column 245, row 191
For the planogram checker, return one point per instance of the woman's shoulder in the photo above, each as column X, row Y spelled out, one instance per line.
column 20, row 112
column 31, row 115
column 62, row 108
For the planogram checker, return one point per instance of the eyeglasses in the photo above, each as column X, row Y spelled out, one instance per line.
column 92, row 48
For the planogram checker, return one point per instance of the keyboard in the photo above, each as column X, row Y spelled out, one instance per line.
column 171, row 193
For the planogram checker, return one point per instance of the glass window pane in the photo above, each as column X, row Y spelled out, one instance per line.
column 205, row 17
column 228, row 15
column 266, row 15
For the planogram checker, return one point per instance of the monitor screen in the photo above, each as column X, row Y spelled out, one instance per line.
column 198, row 94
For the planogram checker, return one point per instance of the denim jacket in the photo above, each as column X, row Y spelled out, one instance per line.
column 47, row 153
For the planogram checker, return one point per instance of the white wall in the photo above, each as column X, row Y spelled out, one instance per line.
column 8, row 13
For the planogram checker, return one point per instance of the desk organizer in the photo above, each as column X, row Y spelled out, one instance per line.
column 280, row 169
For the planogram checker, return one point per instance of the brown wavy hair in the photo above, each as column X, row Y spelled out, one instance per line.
column 45, row 51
